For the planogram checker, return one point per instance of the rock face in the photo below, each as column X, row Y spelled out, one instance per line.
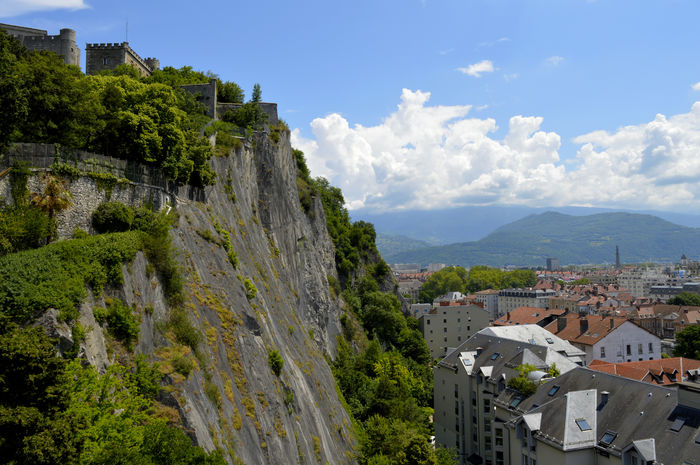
column 255, row 268
column 262, row 418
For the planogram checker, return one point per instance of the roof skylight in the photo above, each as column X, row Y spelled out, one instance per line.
column 678, row 424
column 514, row 403
column 549, row 340
column 495, row 356
column 554, row 390
column 583, row 424
column 608, row 438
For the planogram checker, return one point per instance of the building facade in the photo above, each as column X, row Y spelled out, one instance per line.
column 448, row 326
column 100, row 57
column 510, row 299
column 489, row 298
column 63, row 44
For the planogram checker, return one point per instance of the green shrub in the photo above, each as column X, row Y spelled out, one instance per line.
column 55, row 276
column 22, row 227
column 212, row 392
column 146, row 377
column 250, row 290
column 185, row 333
column 183, row 365
column 112, row 217
column 276, row 362
column 121, row 321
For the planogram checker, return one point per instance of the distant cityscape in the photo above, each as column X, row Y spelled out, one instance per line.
column 596, row 353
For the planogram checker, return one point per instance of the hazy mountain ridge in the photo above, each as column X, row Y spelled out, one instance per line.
column 571, row 239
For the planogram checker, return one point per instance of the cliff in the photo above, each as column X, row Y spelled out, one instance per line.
column 256, row 273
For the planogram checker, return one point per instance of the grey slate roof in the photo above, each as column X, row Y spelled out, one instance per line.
column 636, row 411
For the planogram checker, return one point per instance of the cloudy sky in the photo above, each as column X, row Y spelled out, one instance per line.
column 420, row 104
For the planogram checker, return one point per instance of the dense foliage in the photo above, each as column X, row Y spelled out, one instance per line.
column 688, row 342
column 150, row 121
column 53, row 411
column 383, row 369
column 685, row 298
column 457, row 279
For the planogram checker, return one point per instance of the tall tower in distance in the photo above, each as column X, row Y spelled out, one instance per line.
column 617, row 256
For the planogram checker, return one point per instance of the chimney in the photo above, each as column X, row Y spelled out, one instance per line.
column 604, row 398
column 583, row 322
column 561, row 323
column 508, row 316
column 612, row 323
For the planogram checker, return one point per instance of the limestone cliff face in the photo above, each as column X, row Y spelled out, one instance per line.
column 287, row 257
column 276, row 297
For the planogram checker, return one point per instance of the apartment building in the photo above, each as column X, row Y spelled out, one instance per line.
column 590, row 418
column 489, row 298
column 450, row 324
column 510, row 299
column 467, row 382
column 609, row 339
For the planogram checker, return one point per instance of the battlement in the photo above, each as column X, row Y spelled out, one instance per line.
column 63, row 44
column 110, row 55
column 115, row 45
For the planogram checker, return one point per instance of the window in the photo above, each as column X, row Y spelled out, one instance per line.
column 678, row 424
column 641, row 351
column 602, row 352
column 531, row 341
column 608, row 438
column 427, row 321
column 499, row 458
column 495, row 356
column 105, row 60
column 444, row 330
column 651, row 348
column 459, row 338
column 499, row 438
column 629, row 350
column 487, row 406
column 458, row 320
column 444, row 320
column 554, row 390
column 583, row 424
column 549, row 340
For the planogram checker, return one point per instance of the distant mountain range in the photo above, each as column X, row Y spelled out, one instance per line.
column 447, row 226
column 572, row 239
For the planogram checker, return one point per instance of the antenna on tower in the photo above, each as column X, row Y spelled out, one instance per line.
column 127, row 30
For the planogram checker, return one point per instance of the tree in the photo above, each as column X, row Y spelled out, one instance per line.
column 229, row 92
column 688, row 342
column 450, row 279
column 257, row 94
column 685, row 298
column 54, row 200
column 522, row 383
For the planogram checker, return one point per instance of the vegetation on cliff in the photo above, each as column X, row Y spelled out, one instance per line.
column 151, row 122
column 383, row 365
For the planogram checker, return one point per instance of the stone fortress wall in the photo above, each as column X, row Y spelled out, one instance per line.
column 138, row 184
column 99, row 57
column 63, row 44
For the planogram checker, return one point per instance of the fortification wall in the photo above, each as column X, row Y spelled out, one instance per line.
column 99, row 57
column 139, row 184
column 267, row 107
column 63, row 44
column 206, row 94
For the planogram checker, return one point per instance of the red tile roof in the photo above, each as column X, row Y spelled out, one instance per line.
column 528, row 316
column 597, row 328
column 660, row 371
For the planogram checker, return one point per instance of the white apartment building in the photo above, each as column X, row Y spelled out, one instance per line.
column 609, row 339
column 489, row 298
column 448, row 326
column 467, row 382
column 510, row 299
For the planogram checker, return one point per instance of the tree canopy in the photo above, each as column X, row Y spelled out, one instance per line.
column 685, row 298
column 478, row 278
column 688, row 342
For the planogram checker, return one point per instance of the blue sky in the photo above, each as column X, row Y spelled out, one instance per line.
column 419, row 104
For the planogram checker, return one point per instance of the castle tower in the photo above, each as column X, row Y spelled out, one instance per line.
column 63, row 44
column 99, row 57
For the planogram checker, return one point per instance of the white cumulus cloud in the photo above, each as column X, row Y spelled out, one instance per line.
column 9, row 8
column 554, row 60
column 477, row 69
column 696, row 86
column 424, row 156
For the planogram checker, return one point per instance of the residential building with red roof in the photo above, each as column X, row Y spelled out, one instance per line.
column 665, row 320
column 664, row 371
column 529, row 316
column 609, row 339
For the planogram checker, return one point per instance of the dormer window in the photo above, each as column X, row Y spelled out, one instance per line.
column 583, row 424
